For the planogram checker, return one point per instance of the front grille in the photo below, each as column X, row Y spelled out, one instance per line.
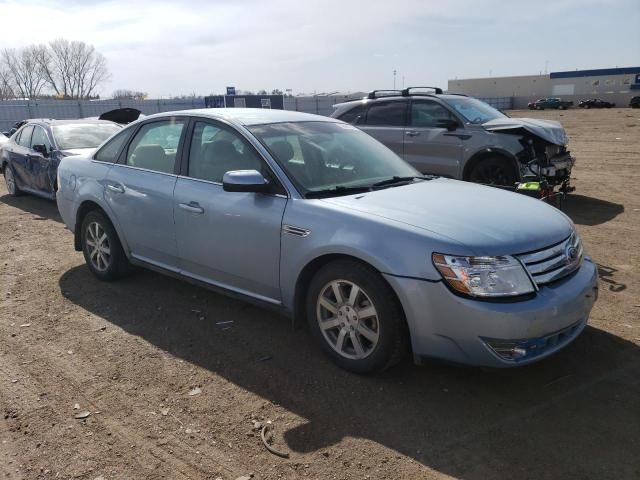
column 552, row 263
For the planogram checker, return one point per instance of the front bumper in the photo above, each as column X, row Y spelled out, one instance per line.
column 446, row 326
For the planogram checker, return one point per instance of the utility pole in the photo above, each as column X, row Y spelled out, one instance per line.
column 394, row 78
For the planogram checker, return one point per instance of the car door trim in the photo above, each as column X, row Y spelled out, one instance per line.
column 203, row 281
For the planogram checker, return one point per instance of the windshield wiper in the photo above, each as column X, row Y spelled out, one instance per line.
column 337, row 190
column 395, row 180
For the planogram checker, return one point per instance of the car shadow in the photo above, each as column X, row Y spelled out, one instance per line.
column 574, row 415
column 42, row 208
column 590, row 211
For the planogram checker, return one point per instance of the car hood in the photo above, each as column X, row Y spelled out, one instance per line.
column 548, row 130
column 487, row 220
column 121, row 115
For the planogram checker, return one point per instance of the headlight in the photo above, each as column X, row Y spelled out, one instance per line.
column 487, row 277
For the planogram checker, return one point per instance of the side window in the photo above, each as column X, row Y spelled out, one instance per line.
column 215, row 151
column 155, row 146
column 25, row 136
column 428, row 114
column 392, row 114
column 111, row 150
column 354, row 115
column 40, row 137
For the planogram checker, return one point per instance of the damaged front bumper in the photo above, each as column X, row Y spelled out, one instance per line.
column 556, row 170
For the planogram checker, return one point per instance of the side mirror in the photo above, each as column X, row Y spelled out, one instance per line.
column 42, row 149
column 245, row 181
column 448, row 123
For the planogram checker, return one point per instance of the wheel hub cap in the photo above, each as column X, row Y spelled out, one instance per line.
column 348, row 319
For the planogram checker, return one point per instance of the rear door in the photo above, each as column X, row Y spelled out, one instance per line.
column 430, row 147
column 40, row 166
column 228, row 239
column 385, row 121
column 139, row 191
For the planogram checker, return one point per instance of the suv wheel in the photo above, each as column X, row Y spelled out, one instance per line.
column 355, row 317
column 101, row 247
column 10, row 181
column 493, row 171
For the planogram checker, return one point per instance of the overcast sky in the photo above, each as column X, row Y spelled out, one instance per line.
column 178, row 47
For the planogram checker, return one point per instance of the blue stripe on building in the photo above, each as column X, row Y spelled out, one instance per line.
column 596, row 72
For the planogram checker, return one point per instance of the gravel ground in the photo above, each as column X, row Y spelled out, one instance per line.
column 129, row 353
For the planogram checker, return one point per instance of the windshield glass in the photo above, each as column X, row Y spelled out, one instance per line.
column 83, row 135
column 473, row 110
column 324, row 155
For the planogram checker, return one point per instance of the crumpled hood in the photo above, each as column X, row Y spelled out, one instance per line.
column 487, row 220
column 548, row 130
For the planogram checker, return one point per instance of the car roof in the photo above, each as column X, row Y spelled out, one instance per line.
column 80, row 121
column 445, row 96
column 249, row 116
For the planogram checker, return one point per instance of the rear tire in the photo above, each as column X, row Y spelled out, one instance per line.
column 355, row 317
column 10, row 181
column 493, row 171
column 102, row 249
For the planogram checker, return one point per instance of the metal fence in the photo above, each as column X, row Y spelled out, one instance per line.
column 17, row 110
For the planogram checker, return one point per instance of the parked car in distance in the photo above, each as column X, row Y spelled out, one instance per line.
column 553, row 103
column 29, row 160
column 595, row 103
column 461, row 137
column 310, row 215
column 635, row 102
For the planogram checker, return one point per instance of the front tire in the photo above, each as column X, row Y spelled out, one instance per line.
column 102, row 248
column 10, row 181
column 493, row 171
column 355, row 317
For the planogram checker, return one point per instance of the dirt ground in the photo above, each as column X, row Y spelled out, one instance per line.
column 130, row 352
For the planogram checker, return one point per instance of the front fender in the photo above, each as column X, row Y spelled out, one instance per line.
column 388, row 246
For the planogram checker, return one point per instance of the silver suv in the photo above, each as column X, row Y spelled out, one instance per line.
column 461, row 137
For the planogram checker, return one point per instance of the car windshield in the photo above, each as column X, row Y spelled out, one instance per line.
column 473, row 110
column 326, row 155
column 83, row 135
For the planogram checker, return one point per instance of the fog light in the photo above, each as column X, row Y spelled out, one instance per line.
column 519, row 352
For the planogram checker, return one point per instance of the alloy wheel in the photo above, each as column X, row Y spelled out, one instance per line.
column 348, row 319
column 98, row 247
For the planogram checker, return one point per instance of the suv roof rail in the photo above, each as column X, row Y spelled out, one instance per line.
column 385, row 93
column 407, row 91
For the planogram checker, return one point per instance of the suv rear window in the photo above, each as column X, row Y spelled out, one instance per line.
column 392, row 114
column 353, row 115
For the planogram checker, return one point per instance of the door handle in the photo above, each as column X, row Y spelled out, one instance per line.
column 411, row 133
column 193, row 207
column 115, row 188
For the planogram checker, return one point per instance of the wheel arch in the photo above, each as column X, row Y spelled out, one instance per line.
column 311, row 268
column 85, row 207
column 478, row 157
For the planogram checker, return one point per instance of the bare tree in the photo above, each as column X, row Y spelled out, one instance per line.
column 124, row 94
column 73, row 69
column 24, row 70
column 6, row 84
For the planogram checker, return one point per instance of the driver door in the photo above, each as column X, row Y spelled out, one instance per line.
column 40, row 166
column 228, row 239
column 429, row 147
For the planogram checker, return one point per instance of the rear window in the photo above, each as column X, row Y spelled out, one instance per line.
column 391, row 114
column 353, row 115
column 83, row 135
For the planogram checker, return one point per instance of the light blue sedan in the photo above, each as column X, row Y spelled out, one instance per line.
column 316, row 218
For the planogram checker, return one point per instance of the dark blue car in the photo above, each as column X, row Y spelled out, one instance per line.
column 29, row 160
